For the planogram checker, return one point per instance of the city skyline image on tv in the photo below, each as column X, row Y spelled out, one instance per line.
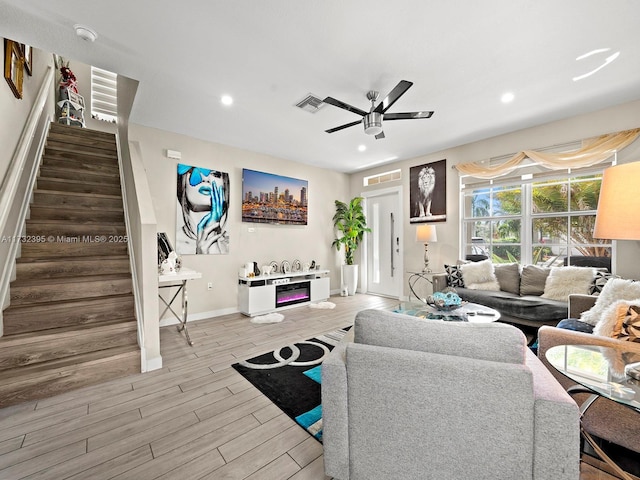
column 271, row 198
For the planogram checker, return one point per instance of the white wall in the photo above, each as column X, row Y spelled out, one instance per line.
column 268, row 242
column 14, row 111
column 446, row 250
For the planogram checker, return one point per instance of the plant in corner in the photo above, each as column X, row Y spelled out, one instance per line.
column 351, row 222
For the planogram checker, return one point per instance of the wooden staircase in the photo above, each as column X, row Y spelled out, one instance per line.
column 71, row 321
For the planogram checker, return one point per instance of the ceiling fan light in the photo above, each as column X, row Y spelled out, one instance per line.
column 373, row 123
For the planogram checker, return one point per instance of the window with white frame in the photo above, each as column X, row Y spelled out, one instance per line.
column 104, row 95
column 542, row 219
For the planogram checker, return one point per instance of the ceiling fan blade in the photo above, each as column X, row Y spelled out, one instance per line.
column 380, row 136
column 393, row 96
column 345, row 106
column 407, row 115
column 341, row 127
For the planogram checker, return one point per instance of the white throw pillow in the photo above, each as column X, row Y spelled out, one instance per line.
column 563, row 281
column 479, row 276
column 614, row 290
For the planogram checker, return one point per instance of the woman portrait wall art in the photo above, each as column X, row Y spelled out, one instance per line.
column 203, row 210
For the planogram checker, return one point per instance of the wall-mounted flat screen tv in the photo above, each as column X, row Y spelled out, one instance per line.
column 270, row 198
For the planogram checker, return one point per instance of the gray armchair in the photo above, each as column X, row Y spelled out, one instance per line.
column 605, row 419
column 423, row 399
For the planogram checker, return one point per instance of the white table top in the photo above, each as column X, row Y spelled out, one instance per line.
column 183, row 274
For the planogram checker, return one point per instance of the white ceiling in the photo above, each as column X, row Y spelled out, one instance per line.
column 462, row 55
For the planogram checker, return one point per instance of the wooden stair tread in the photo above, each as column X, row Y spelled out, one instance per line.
column 44, row 380
column 68, row 180
column 83, row 279
column 24, row 374
column 79, row 258
column 64, row 333
column 77, row 194
column 60, row 169
column 77, row 150
column 58, row 222
column 68, row 313
column 73, row 207
column 75, row 303
column 86, row 140
column 84, row 132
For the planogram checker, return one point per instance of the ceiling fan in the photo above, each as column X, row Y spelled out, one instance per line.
column 372, row 120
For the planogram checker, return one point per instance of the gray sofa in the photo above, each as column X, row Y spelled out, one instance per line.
column 519, row 299
column 422, row 399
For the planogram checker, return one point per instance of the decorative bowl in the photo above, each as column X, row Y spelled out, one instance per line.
column 445, row 301
column 446, row 308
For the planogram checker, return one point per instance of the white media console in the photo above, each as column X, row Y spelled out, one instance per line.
column 268, row 293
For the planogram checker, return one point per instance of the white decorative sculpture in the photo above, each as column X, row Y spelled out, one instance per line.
column 168, row 266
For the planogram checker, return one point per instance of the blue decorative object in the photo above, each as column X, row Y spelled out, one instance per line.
column 448, row 300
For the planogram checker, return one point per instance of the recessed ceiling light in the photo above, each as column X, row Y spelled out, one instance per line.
column 507, row 97
column 362, row 148
column 85, row 33
column 226, row 100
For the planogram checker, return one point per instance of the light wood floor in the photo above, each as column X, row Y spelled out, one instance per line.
column 195, row 418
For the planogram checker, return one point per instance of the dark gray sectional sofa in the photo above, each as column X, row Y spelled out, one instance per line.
column 519, row 299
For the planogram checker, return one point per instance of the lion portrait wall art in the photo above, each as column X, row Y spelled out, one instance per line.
column 428, row 192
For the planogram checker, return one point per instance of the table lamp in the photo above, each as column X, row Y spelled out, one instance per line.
column 426, row 234
column 619, row 204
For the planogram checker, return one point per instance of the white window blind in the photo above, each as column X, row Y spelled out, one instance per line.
column 104, row 95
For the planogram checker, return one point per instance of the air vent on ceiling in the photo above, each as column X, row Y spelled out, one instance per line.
column 311, row 103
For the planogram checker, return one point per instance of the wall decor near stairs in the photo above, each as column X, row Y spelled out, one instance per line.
column 71, row 320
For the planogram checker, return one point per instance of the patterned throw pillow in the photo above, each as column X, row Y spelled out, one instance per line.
column 630, row 325
column 454, row 276
column 599, row 281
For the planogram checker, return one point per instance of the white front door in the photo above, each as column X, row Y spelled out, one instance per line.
column 384, row 243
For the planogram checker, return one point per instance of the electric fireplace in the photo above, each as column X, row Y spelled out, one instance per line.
column 292, row 293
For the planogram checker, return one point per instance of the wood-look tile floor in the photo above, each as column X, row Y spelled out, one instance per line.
column 196, row 418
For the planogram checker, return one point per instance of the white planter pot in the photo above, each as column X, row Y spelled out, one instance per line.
column 350, row 278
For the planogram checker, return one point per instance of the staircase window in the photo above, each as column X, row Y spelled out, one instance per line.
column 104, row 95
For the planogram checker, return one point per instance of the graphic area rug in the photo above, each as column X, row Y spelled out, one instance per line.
column 290, row 378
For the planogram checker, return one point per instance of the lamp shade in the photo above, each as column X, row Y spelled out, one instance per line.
column 426, row 233
column 618, row 212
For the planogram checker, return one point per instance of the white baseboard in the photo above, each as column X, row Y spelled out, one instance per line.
column 149, row 364
column 165, row 322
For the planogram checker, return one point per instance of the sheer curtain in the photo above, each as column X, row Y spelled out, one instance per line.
column 594, row 151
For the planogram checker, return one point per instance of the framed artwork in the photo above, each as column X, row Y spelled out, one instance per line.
column 202, row 211
column 275, row 199
column 27, row 54
column 13, row 66
column 428, row 192
column 164, row 247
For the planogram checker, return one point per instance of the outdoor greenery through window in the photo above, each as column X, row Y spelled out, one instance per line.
column 543, row 222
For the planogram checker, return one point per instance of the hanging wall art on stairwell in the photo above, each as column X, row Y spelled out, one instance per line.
column 202, row 211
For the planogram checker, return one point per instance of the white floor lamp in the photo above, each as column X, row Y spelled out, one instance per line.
column 426, row 233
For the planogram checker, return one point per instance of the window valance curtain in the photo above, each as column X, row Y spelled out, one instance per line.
column 598, row 150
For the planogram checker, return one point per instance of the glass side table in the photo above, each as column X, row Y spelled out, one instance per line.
column 415, row 277
column 601, row 372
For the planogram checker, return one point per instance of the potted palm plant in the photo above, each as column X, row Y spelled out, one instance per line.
column 350, row 221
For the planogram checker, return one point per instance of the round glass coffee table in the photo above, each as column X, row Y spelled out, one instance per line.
column 601, row 372
column 468, row 312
